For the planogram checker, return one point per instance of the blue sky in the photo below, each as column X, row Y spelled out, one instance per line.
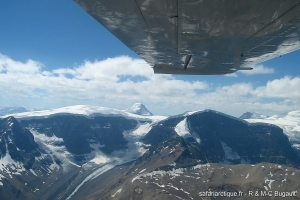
column 53, row 54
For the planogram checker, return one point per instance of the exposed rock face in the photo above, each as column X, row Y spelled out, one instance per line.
column 24, row 165
column 107, row 156
column 182, row 167
column 290, row 124
column 239, row 181
column 224, row 139
column 78, row 132
column 228, row 139
column 17, row 143
column 48, row 157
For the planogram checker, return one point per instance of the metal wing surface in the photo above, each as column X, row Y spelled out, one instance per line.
column 201, row 36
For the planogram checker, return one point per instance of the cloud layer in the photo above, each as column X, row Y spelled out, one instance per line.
column 121, row 81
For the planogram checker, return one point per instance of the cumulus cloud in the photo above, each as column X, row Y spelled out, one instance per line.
column 118, row 82
column 109, row 69
column 94, row 80
column 286, row 87
column 7, row 65
column 231, row 75
column 241, row 97
column 258, row 69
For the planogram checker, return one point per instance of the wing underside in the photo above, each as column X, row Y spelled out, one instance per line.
column 201, row 36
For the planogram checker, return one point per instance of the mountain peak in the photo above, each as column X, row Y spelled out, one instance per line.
column 252, row 115
column 139, row 109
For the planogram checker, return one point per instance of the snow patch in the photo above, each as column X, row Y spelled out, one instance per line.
column 8, row 165
column 54, row 148
column 142, row 130
column 99, row 156
column 89, row 111
column 182, row 129
column 172, row 173
column 93, row 175
column 271, row 174
column 270, row 182
column 173, row 164
column 118, row 191
column 54, row 166
column 31, row 170
column 229, row 153
column 201, row 166
column 192, row 112
column 247, row 175
column 36, row 189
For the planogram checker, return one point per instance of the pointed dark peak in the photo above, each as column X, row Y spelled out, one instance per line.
column 139, row 109
column 17, row 141
column 11, row 119
column 9, row 123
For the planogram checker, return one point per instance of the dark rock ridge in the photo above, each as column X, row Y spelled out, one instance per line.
column 176, row 167
column 221, row 134
column 25, row 166
column 78, row 132
column 187, row 183
column 18, row 142
column 225, row 139
column 179, row 151
column 48, row 175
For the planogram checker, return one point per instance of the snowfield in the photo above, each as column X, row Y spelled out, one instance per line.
column 290, row 124
column 85, row 110
column 182, row 129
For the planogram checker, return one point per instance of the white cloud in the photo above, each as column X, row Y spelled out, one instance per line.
column 109, row 69
column 8, row 65
column 118, row 82
column 286, row 87
column 231, row 75
column 258, row 69
column 94, row 80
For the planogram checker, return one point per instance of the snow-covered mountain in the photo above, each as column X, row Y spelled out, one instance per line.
column 190, row 153
column 252, row 115
column 84, row 110
column 139, row 109
column 88, row 152
column 75, row 143
column 12, row 110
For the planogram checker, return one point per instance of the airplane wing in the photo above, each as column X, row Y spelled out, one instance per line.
column 201, row 36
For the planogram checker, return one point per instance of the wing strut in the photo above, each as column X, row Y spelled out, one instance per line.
column 186, row 62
